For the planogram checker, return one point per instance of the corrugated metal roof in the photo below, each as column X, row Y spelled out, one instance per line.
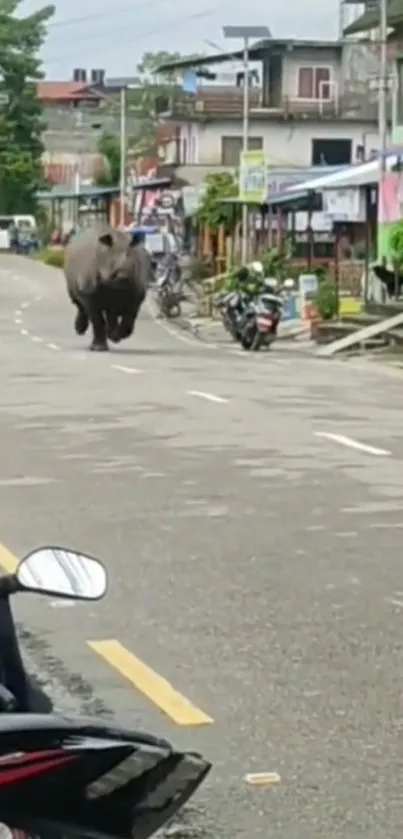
column 290, row 198
column 86, row 191
column 255, row 53
column 294, row 200
column 371, row 18
column 357, row 175
column 66, row 90
column 61, row 192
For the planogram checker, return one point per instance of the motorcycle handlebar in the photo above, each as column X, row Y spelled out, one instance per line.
column 9, row 585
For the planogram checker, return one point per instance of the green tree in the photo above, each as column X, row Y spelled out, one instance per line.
column 21, row 123
column 152, row 97
column 212, row 212
column 109, row 148
column 396, row 252
column 396, row 245
column 152, row 60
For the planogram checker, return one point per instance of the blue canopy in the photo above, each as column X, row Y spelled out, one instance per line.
column 143, row 228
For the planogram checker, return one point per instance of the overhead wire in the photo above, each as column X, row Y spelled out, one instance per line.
column 112, row 10
column 130, row 39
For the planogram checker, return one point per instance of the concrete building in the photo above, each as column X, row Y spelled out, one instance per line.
column 311, row 103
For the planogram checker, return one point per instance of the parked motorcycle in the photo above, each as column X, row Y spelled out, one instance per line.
column 232, row 306
column 169, row 287
column 64, row 778
column 260, row 321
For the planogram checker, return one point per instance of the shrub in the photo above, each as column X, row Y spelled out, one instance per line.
column 396, row 245
column 272, row 262
column 326, row 300
column 52, row 256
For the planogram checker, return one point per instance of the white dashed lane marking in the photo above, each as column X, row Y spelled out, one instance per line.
column 210, row 397
column 352, row 444
column 124, row 369
column 394, row 602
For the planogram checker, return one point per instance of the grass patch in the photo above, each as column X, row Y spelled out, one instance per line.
column 51, row 256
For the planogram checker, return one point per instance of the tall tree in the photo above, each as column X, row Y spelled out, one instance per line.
column 21, row 124
column 152, row 60
column 148, row 100
column 109, row 148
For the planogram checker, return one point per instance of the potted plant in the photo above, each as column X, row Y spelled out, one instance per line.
column 325, row 302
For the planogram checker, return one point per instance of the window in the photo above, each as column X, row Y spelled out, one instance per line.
column 231, row 148
column 314, row 83
column 337, row 152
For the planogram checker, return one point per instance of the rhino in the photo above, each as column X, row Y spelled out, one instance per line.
column 107, row 274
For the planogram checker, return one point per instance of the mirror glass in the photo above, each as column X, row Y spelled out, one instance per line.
column 60, row 571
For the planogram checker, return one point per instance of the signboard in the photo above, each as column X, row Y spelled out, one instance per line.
column 192, row 197
column 281, row 178
column 343, row 204
column 253, row 177
column 291, row 307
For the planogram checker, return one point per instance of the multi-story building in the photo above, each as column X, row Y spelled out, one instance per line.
column 311, row 103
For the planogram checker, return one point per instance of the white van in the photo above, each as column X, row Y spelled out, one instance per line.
column 26, row 224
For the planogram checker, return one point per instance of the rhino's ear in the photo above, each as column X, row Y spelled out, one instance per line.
column 106, row 239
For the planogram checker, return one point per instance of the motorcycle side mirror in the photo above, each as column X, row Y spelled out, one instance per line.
column 61, row 571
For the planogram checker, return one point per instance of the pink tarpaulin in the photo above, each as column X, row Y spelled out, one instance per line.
column 390, row 204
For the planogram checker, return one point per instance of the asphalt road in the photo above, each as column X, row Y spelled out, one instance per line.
column 249, row 510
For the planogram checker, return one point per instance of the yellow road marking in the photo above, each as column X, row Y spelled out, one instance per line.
column 155, row 687
column 8, row 561
column 262, row 779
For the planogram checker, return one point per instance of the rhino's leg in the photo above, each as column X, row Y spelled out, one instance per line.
column 118, row 304
column 126, row 325
column 81, row 320
column 96, row 316
column 128, row 319
column 112, row 324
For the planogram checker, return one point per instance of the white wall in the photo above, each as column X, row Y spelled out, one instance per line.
column 312, row 58
column 285, row 143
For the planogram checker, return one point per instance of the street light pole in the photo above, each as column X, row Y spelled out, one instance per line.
column 122, row 179
column 246, row 33
column 245, row 143
column 382, row 100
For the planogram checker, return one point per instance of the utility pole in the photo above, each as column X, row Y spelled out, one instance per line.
column 382, row 99
column 122, row 179
column 246, row 33
column 245, row 143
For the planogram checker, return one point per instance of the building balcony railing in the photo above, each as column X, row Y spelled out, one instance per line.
column 353, row 103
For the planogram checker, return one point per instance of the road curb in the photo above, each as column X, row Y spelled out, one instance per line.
column 195, row 329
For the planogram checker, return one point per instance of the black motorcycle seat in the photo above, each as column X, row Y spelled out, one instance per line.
column 86, row 726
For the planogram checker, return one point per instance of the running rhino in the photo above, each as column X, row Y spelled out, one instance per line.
column 107, row 273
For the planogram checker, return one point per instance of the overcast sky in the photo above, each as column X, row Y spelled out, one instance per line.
column 114, row 35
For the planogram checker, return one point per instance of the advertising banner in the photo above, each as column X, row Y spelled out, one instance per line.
column 253, row 177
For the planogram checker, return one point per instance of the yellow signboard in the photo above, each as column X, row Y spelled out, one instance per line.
column 350, row 306
column 253, row 177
